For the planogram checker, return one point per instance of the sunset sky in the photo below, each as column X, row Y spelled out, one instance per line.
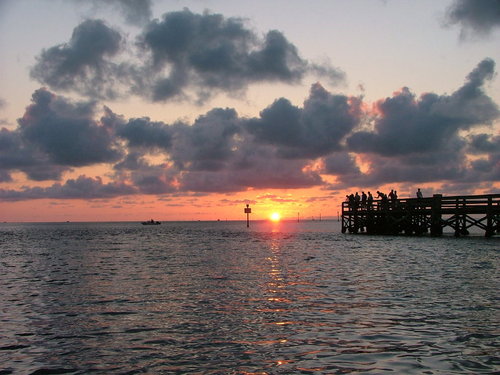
column 189, row 110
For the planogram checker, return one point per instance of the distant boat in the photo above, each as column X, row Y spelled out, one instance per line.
column 151, row 222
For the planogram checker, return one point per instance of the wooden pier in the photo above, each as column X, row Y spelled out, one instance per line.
column 416, row 216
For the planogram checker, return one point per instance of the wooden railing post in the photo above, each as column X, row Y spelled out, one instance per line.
column 344, row 227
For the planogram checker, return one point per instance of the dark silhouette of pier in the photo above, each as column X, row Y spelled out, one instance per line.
column 416, row 216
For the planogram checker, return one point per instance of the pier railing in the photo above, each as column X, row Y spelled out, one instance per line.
column 424, row 215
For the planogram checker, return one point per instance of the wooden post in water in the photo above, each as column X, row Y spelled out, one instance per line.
column 436, row 229
column 489, row 218
column 457, row 218
column 460, row 217
column 248, row 211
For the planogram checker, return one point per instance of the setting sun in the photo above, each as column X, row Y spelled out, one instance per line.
column 275, row 216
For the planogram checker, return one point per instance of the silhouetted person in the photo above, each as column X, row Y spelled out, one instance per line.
column 419, row 194
column 383, row 198
column 363, row 199
column 351, row 200
column 391, row 195
column 369, row 200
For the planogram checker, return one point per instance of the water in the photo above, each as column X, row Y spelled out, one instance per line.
column 218, row 298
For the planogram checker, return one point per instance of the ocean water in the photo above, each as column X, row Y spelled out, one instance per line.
column 218, row 298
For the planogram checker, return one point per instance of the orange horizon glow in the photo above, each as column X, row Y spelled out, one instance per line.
column 308, row 203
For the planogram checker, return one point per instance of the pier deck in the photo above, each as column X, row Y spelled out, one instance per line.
column 414, row 216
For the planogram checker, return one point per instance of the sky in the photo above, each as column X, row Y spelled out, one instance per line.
column 123, row 110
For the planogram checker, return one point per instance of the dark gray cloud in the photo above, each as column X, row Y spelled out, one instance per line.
column 407, row 125
column 484, row 144
column 341, row 164
column 412, row 140
column 81, row 188
column 209, row 144
column 212, row 52
column 261, row 171
column 451, row 163
column 66, row 132
column 142, row 132
column 155, row 179
column 309, row 132
column 54, row 135
column 16, row 155
column 83, row 64
column 420, row 140
column 146, row 177
column 215, row 154
column 487, row 146
column 183, row 56
column 479, row 17
column 431, row 167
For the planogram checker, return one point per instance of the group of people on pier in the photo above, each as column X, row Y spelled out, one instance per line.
column 365, row 201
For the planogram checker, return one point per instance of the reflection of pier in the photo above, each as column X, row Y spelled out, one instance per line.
column 418, row 216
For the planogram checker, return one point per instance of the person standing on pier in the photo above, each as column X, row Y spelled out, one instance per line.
column 419, row 194
column 357, row 199
column 351, row 201
column 369, row 201
column 391, row 195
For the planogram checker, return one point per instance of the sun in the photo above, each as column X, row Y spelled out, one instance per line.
column 275, row 216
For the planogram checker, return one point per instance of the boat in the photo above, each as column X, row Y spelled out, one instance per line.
column 151, row 222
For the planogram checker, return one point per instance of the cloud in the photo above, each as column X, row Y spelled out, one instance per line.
column 184, row 56
column 264, row 173
column 406, row 125
column 83, row 64
column 413, row 140
column 66, row 132
column 341, row 164
column 315, row 130
column 210, row 52
column 484, row 144
column 332, row 141
column 81, row 188
column 209, row 144
column 158, row 179
column 215, row 154
column 474, row 17
column 142, row 132
column 16, row 155
column 437, row 166
column 422, row 139
column 487, row 167
column 136, row 12
column 55, row 135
